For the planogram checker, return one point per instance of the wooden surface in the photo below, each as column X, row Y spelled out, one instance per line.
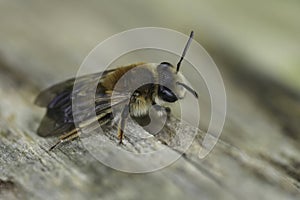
column 257, row 156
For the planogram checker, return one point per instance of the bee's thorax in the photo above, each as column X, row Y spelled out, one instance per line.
column 139, row 106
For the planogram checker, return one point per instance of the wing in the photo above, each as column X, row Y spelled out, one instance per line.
column 58, row 100
column 58, row 92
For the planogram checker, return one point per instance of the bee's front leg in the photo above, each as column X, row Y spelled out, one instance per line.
column 168, row 110
column 122, row 123
column 161, row 110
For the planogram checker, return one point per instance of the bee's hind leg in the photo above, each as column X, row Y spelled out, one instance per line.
column 66, row 137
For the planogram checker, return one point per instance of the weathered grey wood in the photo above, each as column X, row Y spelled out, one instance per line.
column 27, row 168
column 257, row 156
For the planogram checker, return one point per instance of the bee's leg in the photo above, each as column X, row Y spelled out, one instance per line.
column 66, row 137
column 162, row 109
column 122, row 122
column 168, row 110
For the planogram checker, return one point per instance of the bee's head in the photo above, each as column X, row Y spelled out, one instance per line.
column 171, row 83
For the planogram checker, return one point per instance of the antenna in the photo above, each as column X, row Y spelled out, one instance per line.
column 185, row 50
column 189, row 89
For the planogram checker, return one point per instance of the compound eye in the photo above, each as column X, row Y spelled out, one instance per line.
column 166, row 94
column 166, row 64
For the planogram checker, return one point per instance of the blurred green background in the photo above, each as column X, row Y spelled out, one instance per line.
column 56, row 35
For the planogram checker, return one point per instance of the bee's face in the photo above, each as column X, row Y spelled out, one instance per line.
column 168, row 88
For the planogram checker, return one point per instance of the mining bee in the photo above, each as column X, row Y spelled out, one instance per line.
column 158, row 84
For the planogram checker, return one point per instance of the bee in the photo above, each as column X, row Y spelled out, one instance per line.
column 159, row 84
